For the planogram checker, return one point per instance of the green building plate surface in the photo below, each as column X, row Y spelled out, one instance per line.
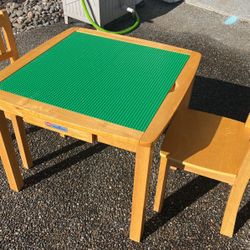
column 115, row 81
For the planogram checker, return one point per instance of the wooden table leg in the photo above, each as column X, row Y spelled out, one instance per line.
column 140, row 192
column 19, row 129
column 8, row 156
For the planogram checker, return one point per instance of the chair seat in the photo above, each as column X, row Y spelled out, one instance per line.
column 206, row 144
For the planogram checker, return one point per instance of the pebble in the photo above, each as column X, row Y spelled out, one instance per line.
column 31, row 14
column 20, row 19
column 18, row 25
column 19, row 13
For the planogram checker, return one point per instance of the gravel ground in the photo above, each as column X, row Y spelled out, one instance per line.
column 78, row 195
column 29, row 14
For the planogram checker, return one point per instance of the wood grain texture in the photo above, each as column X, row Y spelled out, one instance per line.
column 211, row 146
column 164, row 114
column 10, row 42
column 5, row 56
column 31, row 110
column 140, row 191
column 235, row 197
column 172, row 101
column 8, row 156
column 135, row 40
column 21, row 138
column 89, row 128
column 9, row 51
column 195, row 139
column 2, row 45
column 174, row 98
column 161, row 184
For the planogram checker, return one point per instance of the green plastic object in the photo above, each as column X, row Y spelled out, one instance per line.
column 115, row 81
column 121, row 32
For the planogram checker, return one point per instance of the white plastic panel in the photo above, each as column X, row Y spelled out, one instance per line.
column 73, row 8
column 104, row 11
column 113, row 9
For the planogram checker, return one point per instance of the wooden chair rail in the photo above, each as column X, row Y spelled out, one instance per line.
column 5, row 55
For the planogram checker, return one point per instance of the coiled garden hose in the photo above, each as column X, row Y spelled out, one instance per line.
column 121, row 32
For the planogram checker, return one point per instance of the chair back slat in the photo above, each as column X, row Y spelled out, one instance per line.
column 7, row 40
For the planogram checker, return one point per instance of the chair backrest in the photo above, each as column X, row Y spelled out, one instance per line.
column 8, row 49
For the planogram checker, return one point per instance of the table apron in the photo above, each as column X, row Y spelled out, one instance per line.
column 62, row 129
column 66, row 129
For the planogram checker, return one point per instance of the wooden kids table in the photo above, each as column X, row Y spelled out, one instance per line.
column 96, row 86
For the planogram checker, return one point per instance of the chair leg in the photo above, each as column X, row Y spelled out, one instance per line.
column 161, row 184
column 8, row 156
column 235, row 197
column 233, row 203
column 19, row 129
column 143, row 164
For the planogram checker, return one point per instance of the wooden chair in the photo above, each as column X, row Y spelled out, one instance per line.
column 8, row 51
column 211, row 146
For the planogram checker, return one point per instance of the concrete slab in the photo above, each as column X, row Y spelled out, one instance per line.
column 239, row 8
column 187, row 19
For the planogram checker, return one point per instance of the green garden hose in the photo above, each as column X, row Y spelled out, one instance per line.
column 121, row 32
